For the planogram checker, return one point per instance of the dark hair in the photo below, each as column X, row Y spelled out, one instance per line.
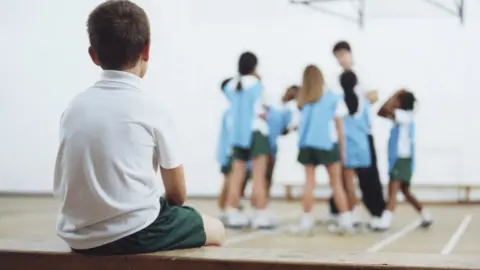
column 348, row 81
column 246, row 65
column 118, row 31
column 294, row 87
column 224, row 83
column 341, row 45
column 407, row 101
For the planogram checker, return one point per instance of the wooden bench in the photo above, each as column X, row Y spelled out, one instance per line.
column 465, row 188
column 53, row 255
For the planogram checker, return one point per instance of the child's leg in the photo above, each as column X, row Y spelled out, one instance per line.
column 308, row 198
column 350, row 188
column 234, row 218
column 387, row 216
column 269, row 174
column 336, row 183
column 236, row 180
column 214, row 231
column 410, row 198
column 393, row 189
column 259, row 192
column 307, row 220
column 426, row 217
column 223, row 194
column 345, row 221
column 349, row 183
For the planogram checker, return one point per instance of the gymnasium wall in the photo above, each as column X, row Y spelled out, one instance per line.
column 195, row 44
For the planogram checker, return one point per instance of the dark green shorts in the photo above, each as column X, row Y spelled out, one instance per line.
column 176, row 227
column 402, row 170
column 260, row 146
column 228, row 168
column 311, row 156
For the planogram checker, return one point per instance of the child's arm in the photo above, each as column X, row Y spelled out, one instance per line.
column 171, row 168
column 174, row 182
column 388, row 108
column 372, row 96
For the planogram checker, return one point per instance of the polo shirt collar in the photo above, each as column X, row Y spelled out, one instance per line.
column 120, row 77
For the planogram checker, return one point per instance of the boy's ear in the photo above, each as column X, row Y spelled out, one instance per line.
column 146, row 52
column 93, row 56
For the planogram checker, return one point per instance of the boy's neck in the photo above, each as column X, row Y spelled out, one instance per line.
column 136, row 70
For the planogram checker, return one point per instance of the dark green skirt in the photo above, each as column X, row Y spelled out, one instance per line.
column 260, row 146
column 312, row 156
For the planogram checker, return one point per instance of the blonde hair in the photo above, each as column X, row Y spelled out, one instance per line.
column 312, row 86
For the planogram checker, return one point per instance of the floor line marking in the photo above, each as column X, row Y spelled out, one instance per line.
column 260, row 233
column 452, row 243
column 394, row 237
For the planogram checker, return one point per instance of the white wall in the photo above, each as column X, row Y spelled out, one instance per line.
column 196, row 45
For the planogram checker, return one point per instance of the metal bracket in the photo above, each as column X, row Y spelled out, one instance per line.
column 360, row 19
column 459, row 12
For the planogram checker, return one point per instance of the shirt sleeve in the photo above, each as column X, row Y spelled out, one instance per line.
column 166, row 140
column 365, row 83
column 403, row 117
column 295, row 115
column 341, row 109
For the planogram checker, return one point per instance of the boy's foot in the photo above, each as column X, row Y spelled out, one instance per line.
column 427, row 219
column 305, row 226
column 262, row 220
column 426, row 224
column 236, row 219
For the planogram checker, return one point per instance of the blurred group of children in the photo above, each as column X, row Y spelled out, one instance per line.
column 333, row 131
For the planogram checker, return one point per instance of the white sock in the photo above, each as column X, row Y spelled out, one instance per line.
column 345, row 219
column 307, row 220
column 356, row 214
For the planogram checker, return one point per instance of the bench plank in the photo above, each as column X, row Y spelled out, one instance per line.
column 52, row 255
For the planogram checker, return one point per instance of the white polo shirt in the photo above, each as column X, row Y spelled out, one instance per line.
column 113, row 138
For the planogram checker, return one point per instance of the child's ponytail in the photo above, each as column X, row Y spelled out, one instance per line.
column 239, row 84
column 348, row 81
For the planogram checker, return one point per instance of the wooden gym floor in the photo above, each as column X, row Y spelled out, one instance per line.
column 455, row 231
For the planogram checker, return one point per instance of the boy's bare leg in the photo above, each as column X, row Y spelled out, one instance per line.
column 214, row 231
column 426, row 217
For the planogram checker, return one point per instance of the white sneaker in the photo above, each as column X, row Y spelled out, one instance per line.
column 384, row 222
column 305, row 225
column 374, row 222
column 222, row 216
column 356, row 219
column 344, row 226
column 427, row 219
column 262, row 220
column 330, row 219
column 236, row 219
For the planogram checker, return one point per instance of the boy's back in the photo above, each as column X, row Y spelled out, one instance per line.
column 107, row 161
column 113, row 139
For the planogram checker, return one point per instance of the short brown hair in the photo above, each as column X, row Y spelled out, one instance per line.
column 312, row 86
column 118, row 31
